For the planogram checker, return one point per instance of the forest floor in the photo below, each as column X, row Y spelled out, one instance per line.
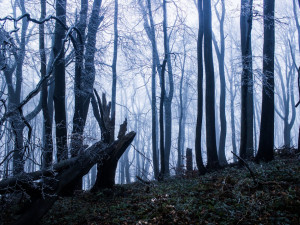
column 227, row 196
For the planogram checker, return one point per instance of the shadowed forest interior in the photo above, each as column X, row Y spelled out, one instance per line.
column 154, row 94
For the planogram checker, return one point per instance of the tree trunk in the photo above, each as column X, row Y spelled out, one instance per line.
column 168, row 97
column 198, row 153
column 72, row 170
column 150, row 30
column 212, row 156
column 47, row 123
column 246, row 146
column 221, row 58
column 189, row 160
column 60, row 83
column 266, row 141
column 114, row 73
column 161, row 121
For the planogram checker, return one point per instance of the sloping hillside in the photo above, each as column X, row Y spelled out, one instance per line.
column 228, row 196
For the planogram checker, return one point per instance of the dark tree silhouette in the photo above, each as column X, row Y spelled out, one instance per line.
column 246, row 146
column 266, row 140
column 212, row 156
column 199, row 160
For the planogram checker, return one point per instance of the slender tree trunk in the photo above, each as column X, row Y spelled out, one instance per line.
column 81, row 100
column 60, row 83
column 266, row 141
column 168, row 97
column 15, row 97
column 246, row 146
column 221, row 59
column 212, row 156
column 47, row 123
column 154, row 118
column 198, row 153
column 182, row 111
column 161, row 121
column 150, row 30
column 114, row 73
column 298, row 30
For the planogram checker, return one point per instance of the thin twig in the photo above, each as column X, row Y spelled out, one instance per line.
column 247, row 166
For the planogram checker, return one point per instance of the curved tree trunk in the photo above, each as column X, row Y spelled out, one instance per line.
column 198, row 153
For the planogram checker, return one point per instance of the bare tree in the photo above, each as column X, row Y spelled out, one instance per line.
column 198, row 153
column 221, row 59
column 266, row 139
column 212, row 156
column 246, row 146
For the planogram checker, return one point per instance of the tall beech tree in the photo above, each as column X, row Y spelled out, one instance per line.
column 199, row 160
column 151, row 34
column 221, row 59
column 114, row 71
column 168, row 97
column 60, row 82
column 212, row 156
column 48, row 142
column 266, row 139
column 246, row 146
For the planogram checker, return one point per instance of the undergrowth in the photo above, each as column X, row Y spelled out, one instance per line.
column 228, row 196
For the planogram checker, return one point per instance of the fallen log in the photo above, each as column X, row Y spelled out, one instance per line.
column 63, row 174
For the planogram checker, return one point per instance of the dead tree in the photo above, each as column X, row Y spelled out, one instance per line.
column 61, row 175
column 107, row 169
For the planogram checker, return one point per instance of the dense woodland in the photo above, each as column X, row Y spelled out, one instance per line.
column 98, row 93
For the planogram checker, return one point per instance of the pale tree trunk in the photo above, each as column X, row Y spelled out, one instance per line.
column 114, row 72
column 150, row 30
column 298, row 30
column 287, row 98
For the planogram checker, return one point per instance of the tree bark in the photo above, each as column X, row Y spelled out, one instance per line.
column 60, row 83
column 74, row 169
column 221, row 59
column 114, row 73
column 168, row 96
column 266, row 141
column 199, row 160
column 47, row 123
column 246, row 146
column 212, row 156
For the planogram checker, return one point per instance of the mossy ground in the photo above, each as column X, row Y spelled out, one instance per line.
column 227, row 196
